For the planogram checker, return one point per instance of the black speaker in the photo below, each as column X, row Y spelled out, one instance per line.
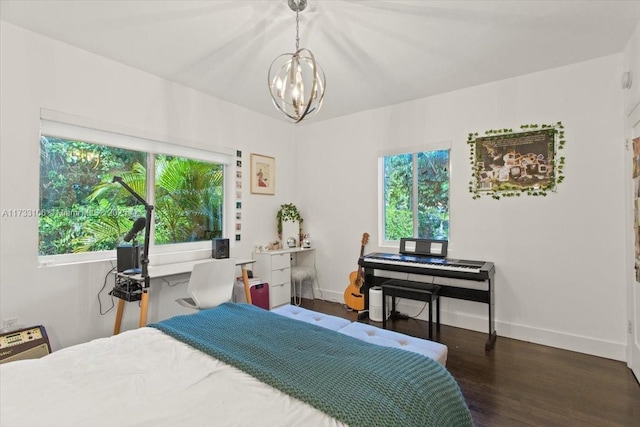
column 219, row 248
column 128, row 257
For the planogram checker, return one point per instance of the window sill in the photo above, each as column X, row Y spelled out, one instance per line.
column 161, row 255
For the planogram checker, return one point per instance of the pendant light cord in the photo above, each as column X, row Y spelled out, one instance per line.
column 297, row 29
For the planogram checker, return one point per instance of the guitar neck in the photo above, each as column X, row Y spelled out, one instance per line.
column 360, row 269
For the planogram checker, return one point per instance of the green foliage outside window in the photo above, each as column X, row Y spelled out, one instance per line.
column 398, row 196
column 189, row 200
column 69, row 220
column 433, row 194
column 428, row 174
column 82, row 210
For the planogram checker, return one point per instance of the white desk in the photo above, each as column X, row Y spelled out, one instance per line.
column 174, row 268
column 164, row 270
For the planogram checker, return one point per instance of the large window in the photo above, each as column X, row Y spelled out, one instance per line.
column 83, row 210
column 416, row 195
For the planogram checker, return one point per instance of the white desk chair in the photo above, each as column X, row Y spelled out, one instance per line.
column 211, row 284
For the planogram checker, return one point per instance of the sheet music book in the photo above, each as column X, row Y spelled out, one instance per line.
column 424, row 247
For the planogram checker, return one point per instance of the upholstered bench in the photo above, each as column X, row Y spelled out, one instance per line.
column 369, row 333
column 387, row 338
column 325, row 320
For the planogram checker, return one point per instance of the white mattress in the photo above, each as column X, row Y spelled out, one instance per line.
column 142, row 378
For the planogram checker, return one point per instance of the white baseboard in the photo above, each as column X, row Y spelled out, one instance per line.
column 565, row 341
column 580, row 344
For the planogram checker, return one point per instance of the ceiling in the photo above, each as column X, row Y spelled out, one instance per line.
column 373, row 52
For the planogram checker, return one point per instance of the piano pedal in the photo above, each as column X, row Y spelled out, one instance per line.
column 399, row 316
column 363, row 314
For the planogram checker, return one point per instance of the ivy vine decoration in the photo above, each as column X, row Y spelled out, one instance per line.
column 505, row 163
column 287, row 212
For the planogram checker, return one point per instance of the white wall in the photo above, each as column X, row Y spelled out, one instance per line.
column 38, row 72
column 559, row 259
column 631, row 63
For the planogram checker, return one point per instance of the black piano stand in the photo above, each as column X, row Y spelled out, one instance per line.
column 491, row 341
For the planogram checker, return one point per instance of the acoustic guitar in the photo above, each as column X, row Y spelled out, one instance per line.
column 353, row 297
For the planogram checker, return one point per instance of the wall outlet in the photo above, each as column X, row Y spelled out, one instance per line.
column 9, row 324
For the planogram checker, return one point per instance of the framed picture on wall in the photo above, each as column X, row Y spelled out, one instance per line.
column 263, row 174
column 508, row 163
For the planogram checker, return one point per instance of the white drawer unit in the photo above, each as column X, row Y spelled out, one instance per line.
column 274, row 268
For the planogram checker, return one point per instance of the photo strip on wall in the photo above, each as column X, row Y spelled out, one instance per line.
column 238, row 226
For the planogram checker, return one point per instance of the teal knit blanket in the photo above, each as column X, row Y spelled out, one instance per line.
column 355, row 382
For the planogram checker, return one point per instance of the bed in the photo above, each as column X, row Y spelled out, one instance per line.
column 235, row 365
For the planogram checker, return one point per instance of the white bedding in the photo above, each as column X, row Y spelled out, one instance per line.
column 142, row 378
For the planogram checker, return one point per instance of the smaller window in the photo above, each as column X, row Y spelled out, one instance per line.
column 416, row 195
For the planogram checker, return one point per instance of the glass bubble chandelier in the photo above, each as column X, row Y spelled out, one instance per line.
column 296, row 81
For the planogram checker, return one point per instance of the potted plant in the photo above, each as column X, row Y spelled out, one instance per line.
column 289, row 217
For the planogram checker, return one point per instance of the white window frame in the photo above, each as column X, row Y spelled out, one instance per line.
column 62, row 125
column 435, row 146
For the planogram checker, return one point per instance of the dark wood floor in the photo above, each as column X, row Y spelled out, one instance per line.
column 524, row 384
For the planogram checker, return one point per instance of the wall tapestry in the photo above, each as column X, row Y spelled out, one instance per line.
column 506, row 163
